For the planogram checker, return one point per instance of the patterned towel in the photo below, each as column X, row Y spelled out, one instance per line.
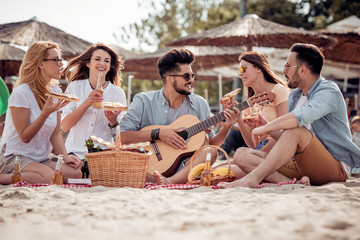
column 153, row 186
column 33, row 185
column 148, row 185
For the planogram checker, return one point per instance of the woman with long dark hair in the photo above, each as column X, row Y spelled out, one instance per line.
column 257, row 77
column 98, row 63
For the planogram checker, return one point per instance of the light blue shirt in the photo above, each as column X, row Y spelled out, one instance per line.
column 326, row 112
column 151, row 108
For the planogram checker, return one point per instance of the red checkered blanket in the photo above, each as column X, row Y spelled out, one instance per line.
column 153, row 186
column 149, row 186
column 33, row 185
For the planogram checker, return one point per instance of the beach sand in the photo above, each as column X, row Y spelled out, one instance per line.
column 294, row 211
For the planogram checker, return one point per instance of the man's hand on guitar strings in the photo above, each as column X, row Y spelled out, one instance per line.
column 170, row 136
column 232, row 115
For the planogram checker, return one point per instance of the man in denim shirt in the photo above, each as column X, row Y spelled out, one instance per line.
column 164, row 106
column 314, row 140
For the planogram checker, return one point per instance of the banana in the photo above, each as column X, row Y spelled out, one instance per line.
column 196, row 171
column 221, row 171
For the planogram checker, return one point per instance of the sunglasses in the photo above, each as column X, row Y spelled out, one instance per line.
column 242, row 69
column 288, row 66
column 187, row 76
column 58, row 60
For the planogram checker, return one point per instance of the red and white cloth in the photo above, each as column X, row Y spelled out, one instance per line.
column 153, row 186
column 34, row 185
column 148, row 185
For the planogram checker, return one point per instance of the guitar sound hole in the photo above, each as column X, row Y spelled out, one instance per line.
column 183, row 134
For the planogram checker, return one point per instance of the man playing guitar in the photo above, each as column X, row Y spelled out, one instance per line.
column 165, row 106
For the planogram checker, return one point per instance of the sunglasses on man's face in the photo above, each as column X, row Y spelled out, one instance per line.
column 187, row 76
column 242, row 69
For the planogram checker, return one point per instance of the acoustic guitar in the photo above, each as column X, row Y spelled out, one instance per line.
column 166, row 159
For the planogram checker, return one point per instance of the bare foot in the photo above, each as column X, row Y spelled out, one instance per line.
column 160, row 179
column 305, row 180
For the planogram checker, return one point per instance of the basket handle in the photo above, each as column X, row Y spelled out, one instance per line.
column 211, row 146
column 118, row 139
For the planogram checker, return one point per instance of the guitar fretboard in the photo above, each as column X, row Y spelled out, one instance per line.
column 213, row 120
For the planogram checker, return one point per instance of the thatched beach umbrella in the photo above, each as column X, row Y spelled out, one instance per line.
column 26, row 32
column 347, row 47
column 253, row 31
column 145, row 66
column 122, row 52
column 10, row 60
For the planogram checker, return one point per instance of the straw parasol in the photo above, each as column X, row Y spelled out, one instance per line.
column 26, row 32
column 10, row 60
column 253, row 31
column 122, row 52
column 145, row 66
column 347, row 48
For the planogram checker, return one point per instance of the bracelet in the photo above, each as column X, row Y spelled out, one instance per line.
column 155, row 134
column 111, row 127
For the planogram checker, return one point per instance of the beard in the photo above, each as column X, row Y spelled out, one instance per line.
column 180, row 91
column 294, row 82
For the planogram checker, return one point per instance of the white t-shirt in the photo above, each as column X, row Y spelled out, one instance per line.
column 39, row 147
column 93, row 122
column 301, row 103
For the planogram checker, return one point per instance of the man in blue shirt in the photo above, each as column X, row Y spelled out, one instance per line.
column 165, row 106
column 313, row 140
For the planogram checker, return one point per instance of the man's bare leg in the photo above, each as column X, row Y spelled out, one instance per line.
column 248, row 159
column 182, row 175
column 292, row 141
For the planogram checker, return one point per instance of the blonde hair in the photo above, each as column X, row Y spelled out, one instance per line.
column 30, row 71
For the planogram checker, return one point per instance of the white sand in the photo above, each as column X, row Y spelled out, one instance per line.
column 288, row 212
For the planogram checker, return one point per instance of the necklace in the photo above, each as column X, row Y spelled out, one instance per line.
column 93, row 87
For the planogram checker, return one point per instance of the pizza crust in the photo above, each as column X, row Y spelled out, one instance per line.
column 113, row 106
column 64, row 96
column 226, row 99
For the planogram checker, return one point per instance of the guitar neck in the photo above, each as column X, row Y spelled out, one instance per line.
column 213, row 120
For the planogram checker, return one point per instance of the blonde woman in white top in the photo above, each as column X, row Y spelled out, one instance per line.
column 32, row 125
column 80, row 117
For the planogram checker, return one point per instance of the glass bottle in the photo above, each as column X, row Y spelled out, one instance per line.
column 16, row 177
column 205, row 178
column 98, row 86
column 57, row 178
column 85, row 169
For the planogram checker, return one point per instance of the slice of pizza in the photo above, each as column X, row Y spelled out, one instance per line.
column 113, row 106
column 64, row 96
column 226, row 99
column 254, row 113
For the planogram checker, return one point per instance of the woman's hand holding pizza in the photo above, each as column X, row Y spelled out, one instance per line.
column 51, row 106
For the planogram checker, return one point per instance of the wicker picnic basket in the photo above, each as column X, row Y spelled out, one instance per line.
column 214, row 179
column 118, row 168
